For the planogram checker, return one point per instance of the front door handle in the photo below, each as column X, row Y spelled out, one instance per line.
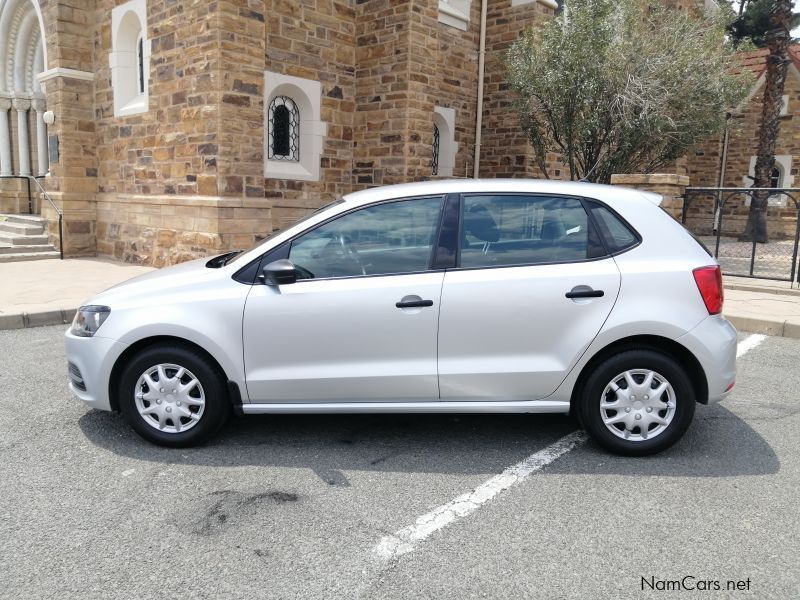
column 417, row 303
column 584, row 291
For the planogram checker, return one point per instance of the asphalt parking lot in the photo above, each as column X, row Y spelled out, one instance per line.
column 298, row 506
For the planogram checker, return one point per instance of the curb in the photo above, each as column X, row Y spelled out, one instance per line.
column 762, row 290
column 771, row 327
column 24, row 320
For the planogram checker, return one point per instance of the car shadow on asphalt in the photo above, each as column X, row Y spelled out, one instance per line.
column 718, row 444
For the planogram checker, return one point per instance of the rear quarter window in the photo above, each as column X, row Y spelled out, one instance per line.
column 616, row 234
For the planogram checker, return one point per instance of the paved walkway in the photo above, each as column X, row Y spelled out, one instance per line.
column 48, row 292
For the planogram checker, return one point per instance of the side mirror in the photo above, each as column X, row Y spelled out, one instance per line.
column 279, row 272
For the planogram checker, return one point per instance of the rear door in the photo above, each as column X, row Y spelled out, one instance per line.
column 532, row 289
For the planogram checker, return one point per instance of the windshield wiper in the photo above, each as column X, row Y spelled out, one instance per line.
column 222, row 259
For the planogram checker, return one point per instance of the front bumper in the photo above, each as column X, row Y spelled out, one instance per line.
column 92, row 359
column 713, row 342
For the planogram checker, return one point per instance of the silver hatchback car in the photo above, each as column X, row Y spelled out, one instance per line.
column 449, row 296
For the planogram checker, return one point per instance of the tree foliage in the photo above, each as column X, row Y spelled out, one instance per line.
column 622, row 86
column 753, row 23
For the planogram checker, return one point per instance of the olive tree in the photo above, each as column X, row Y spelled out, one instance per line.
column 622, row 86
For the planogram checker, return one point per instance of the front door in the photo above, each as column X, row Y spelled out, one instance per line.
column 361, row 324
column 507, row 330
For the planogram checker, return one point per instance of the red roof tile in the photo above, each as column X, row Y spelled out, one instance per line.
column 756, row 60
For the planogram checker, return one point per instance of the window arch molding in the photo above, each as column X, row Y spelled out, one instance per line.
column 130, row 58
column 444, row 119
column 306, row 95
column 783, row 163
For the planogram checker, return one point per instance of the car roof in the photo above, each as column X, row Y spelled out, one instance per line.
column 573, row 188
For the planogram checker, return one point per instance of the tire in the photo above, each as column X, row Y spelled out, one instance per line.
column 637, row 425
column 192, row 415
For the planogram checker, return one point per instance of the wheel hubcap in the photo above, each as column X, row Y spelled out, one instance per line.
column 169, row 398
column 638, row 405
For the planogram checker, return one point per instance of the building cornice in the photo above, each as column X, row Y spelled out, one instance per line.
column 64, row 72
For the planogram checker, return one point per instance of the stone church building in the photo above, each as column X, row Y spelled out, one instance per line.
column 170, row 129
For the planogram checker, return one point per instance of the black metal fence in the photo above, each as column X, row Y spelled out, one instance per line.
column 718, row 216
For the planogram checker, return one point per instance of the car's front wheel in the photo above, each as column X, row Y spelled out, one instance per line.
column 173, row 396
column 637, row 402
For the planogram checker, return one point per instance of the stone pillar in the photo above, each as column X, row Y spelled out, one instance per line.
column 22, row 105
column 668, row 185
column 5, row 138
column 68, row 86
column 39, row 106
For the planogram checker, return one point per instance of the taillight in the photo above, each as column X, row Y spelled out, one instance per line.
column 709, row 282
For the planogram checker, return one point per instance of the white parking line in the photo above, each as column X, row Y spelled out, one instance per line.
column 404, row 540
column 749, row 343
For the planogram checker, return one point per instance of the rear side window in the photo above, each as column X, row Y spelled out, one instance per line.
column 504, row 230
column 616, row 234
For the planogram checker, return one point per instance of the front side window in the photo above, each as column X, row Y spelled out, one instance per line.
column 391, row 238
column 283, row 129
column 504, row 230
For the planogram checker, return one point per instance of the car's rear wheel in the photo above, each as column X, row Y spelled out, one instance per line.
column 173, row 396
column 637, row 402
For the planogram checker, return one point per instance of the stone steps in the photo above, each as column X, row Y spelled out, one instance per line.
column 28, row 256
column 23, row 237
column 16, row 239
column 21, row 228
column 26, row 219
column 24, row 248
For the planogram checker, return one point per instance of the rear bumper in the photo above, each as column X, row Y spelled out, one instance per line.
column 92, row 359
column 713, row 342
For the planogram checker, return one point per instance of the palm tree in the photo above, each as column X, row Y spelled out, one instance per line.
column 778, row 39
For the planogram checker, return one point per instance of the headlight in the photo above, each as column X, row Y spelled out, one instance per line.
column 88, row 320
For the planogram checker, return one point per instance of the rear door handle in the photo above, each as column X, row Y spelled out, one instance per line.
column 584, row 291
column 413, row 303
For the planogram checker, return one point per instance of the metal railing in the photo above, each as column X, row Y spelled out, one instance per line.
column 718, row 216
column 43, row 192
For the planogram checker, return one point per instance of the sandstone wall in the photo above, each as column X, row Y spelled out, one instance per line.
column 315, row 40
column 704, row 164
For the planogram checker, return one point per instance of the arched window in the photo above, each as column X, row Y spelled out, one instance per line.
column 130, row 58
column 294, row 132
column 140, row 63
column 283, row 129
column 435, row 159
column 775, row 177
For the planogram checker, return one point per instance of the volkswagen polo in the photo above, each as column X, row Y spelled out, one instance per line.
column 512, row 296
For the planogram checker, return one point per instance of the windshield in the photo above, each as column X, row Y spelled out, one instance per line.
column 233, row 258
